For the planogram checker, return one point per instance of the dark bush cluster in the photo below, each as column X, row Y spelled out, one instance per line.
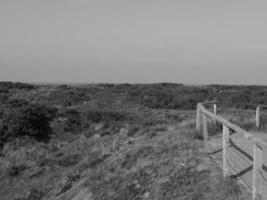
column 73, row 122
column 21, row 118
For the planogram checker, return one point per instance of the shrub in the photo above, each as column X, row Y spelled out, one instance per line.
column 16, row 170
column 73, row 122
column 21, row 118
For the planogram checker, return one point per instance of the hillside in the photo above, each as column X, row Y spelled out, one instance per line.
column 110, row 141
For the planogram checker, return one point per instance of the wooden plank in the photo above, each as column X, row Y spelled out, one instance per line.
column 225, row 150
column 257, row 172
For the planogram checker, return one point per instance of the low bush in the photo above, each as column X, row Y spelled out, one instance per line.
column 16, row 170
column 73, row 121
column 20, row 118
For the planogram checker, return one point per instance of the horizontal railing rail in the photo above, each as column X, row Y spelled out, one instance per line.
column 258, row 108
column 231, row 125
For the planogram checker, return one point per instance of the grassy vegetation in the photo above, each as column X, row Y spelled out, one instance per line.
column 162, row 95
column 110, row 142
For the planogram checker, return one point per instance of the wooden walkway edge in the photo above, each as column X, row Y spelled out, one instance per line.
column 241, row 153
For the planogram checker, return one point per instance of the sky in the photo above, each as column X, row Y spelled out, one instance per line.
column 134, row 41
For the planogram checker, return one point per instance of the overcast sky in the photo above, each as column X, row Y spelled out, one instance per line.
column 189, row 41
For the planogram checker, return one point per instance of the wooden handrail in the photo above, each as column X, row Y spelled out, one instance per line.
column 209, row 102
column 231, row 126
column 241, row 104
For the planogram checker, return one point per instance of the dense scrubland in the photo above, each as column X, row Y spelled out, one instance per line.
column 111, row 141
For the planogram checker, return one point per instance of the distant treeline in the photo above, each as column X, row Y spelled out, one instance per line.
column 179, row 96
column 161, row 95
column 6, row 86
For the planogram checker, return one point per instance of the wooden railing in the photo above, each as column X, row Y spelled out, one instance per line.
column 202, row 123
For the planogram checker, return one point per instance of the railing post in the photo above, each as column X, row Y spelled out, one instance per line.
column 198, row 117
column 205, row 130
column 215, row 109
column 215, row 112
column 257, row 171
column 225, row 149
column 258, row 118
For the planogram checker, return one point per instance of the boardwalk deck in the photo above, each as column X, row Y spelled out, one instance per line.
column 240, row 158
column 242, row 152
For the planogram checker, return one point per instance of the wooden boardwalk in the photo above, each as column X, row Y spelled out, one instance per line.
column 239, row 160
column 241, row 153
